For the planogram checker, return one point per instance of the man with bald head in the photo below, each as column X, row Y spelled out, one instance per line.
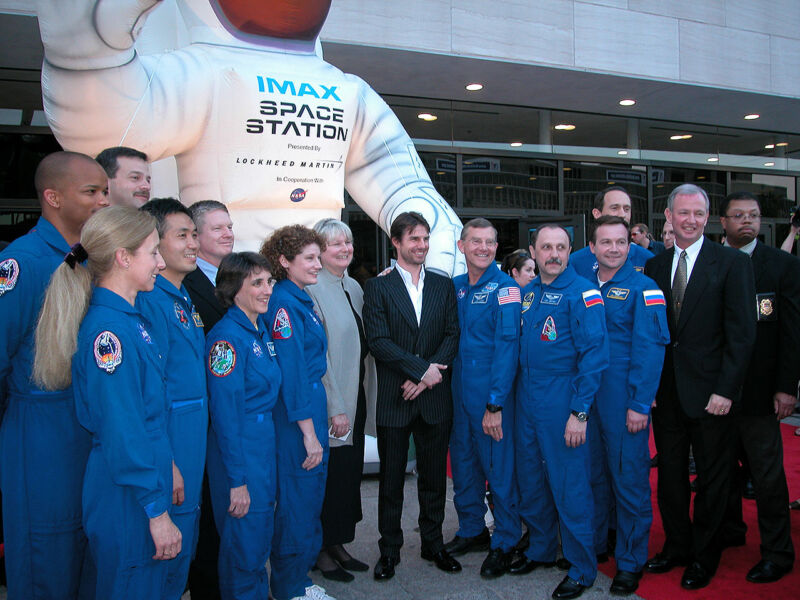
column 43, row 450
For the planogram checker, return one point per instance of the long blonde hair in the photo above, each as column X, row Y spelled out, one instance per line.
column 70, row 289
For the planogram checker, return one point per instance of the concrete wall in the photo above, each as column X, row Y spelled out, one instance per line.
column 751, row 45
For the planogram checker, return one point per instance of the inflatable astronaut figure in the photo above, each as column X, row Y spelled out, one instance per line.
column 253, row 116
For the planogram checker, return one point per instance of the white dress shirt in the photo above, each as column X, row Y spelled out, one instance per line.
column 209, row 270
column 747, row 248
column 691, row 257
column 414, row 292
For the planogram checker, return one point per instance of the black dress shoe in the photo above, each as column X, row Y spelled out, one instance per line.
column 663, row 563
column 695, row 576
column 563, row 564
column 522, row 565
column 625, row 582
column 496, row 563
column 337, row 574
column 353, row 564
column 384, row 568
column 766, row 571
column 444, row 562
column 568, row 588
column 461, row 545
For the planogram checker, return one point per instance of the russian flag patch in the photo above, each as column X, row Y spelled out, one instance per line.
column 654, row 298
column 592, row 297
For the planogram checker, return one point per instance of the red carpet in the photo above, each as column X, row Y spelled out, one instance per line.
column 729, row 582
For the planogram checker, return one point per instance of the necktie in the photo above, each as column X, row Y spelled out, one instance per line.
column 679, row 285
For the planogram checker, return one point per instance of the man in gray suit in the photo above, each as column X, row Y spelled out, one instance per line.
column 411, row 323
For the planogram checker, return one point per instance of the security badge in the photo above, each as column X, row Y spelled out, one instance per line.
column 181, row 314
column 221, row 359
column 551, row 298
column 107, row 351
column 480, row 298
column 9, row 273
column 527, row 301
column 616, row 293
column 766, row 306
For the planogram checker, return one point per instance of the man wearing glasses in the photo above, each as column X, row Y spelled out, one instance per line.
column 769, row 391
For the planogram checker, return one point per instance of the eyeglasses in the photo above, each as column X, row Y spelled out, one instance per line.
column 741, row 216
column 476, row 243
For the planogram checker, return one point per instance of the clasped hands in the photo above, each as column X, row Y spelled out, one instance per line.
column 432, row 377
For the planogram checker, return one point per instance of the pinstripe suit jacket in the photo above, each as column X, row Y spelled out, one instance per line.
column 404, row 350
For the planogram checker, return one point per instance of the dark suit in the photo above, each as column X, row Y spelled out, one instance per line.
column 709, row 353
column 203, row 580
column 774, row 367
column 404, row 350
column 201, row 291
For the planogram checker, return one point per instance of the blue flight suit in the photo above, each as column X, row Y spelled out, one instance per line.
column 636, row 319
column 243, row 384
column 178, row 331
column 585, row 263
column 301, row 345
column 483, row 373
column 118, row 377
column 563, row 353
column 43, row 449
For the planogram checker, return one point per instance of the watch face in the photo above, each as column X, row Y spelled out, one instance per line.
column 287, row 19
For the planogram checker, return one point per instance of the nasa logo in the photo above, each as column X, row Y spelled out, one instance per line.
column 297, row 195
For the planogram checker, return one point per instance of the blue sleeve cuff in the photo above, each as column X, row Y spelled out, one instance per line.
column 237, row 481
column 299, row 415
column 639, row 407
column 157, row 507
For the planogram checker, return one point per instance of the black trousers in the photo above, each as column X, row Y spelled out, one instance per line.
column 712, row 442
column 203, row 577
column 760, row 439
column 431, row 442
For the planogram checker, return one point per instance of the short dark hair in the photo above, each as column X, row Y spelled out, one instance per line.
column 641, row 226
column 200, row 209
column 477, row 223
column 723, row 206
column 407, row 221
column 161, row 208
column 535, row 234
column 600, row 197
column 515, row 260
column 108, row 158
column 608, row 220
column 233, row 270
column 288, row 242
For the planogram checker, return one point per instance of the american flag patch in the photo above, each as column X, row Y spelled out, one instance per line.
column 654, row 298
column 592, row 297
column 508, row 295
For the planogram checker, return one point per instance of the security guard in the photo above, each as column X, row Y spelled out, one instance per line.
column 243, row 383
column 563, row 353
column 301, row 415
column 481, row 448
column 613, row 200
column 178, row 331
column 43, row 449
column 636, row 319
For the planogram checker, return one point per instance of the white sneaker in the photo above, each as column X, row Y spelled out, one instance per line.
column 315, row 592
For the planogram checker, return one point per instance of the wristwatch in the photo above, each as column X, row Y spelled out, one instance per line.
column 493, row 408
column 581, row 416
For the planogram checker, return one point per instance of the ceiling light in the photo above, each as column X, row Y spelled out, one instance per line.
column 622, row 152
column 516, row 144
column 531, row 178
column 498, row 187
column 627, row 102
column 565, row 127
column 568, row 168
column 427, row 117
column 769, row 146
column 610, row 183
column 474, row 87
column 440, row 172
column 701, row 177
column 782, row 144
column 712, row 159
column 682, row 136
column 751, row 117
column 769, row 164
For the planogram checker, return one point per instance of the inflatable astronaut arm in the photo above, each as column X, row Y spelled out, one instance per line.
column 157, row 104
column 386, row 177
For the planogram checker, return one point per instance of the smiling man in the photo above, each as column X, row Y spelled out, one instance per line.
column 128, row 176
column 709, row 292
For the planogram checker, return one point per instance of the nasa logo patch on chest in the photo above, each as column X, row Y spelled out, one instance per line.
column 107, row 351
column 181, row 315
column 257, row 349
column 9, row 273
column 461, row 293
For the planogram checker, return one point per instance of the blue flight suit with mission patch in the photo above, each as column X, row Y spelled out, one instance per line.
column 585, row 263
column 301, row 346
column 43, row 449
column 483, row 373
column 636, row 319
column 118, row 377
column 178, row 331
column 243, row 384
column 563, row 353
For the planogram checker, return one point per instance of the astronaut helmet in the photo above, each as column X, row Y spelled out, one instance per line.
column 291, row 24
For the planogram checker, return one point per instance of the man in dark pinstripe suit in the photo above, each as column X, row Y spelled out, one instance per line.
column 411, row 323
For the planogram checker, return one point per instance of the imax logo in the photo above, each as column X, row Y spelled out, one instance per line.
column 321, row 92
